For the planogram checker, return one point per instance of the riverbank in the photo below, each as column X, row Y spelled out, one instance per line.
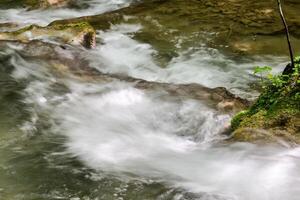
column 275, row 114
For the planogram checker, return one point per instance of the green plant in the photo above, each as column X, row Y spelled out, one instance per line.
column 262, row 71
column 278, row 106
column 277, row 88
column 278, row 81
column 237, row 119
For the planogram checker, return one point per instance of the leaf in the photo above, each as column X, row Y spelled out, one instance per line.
column 270, row 76
column 297, row 59
column 258, row 69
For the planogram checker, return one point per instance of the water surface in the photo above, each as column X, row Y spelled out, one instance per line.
column 70, row 138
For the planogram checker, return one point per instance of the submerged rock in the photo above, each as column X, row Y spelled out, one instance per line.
column 173, row 24
column 74, row 33
column 34, row 4
column 68, row 61
column 251, row 17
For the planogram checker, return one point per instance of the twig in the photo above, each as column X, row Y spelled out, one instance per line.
column 287, row 35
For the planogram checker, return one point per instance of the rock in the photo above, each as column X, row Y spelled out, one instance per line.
column 288, row 69
column 237, row 14
column 263, row 136
column 73, row 33
column 8, row 25
column 285, row 125
column 226, row 105
column 252, row 134
column 68, row 61
column 37, row 4
column 167, row 23
column 55, row 2
column 34, row 4
column 276, row 112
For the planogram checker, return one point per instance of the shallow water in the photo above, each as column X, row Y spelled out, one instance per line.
column 68, row 138
column 23, row 16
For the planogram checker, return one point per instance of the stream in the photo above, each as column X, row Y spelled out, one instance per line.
column 73, row 139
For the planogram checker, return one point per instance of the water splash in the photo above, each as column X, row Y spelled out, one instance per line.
column 45, row 16
column 120, row 53
column 124, row 131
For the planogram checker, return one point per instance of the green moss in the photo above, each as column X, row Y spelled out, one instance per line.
column 23, row 30
column 74, row 33
column 80, row 26
column 276, row 110
column 32, row 3
column 6, row 4
column 251, row 134
column 77, row 25
column 254, row 121
column 238, row 118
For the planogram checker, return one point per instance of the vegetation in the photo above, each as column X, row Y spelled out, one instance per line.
column 277, row 108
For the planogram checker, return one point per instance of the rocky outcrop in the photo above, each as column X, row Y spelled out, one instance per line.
column 74, row 33
column 276, row 113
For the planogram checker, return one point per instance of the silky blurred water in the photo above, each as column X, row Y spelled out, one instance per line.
column 68, row 138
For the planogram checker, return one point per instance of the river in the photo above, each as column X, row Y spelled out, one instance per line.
column 68, row 138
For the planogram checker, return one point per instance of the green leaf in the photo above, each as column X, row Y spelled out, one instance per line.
column 270, row 76
column 258, row 69
column 297, row 59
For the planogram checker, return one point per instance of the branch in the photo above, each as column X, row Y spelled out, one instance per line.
column 292, row 65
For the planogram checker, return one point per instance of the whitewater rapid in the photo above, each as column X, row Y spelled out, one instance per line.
column 125, row 131
column 119, row 53
column 23, row 16
column 147, row 135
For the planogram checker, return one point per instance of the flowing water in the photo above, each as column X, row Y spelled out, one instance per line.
column 24, row 16
column 67, row 138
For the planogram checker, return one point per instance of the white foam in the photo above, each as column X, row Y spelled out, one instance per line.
column 127, row 131
column 45, row 16
column 119, row 129
column 119, row 53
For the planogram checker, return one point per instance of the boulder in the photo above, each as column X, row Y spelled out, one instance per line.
column 74, row 33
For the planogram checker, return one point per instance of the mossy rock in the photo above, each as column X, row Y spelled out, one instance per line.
column 73, row 33
column 283, row 119
column 277, row 121
column 276, row 111
column 238, row 118
column 263, row 136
